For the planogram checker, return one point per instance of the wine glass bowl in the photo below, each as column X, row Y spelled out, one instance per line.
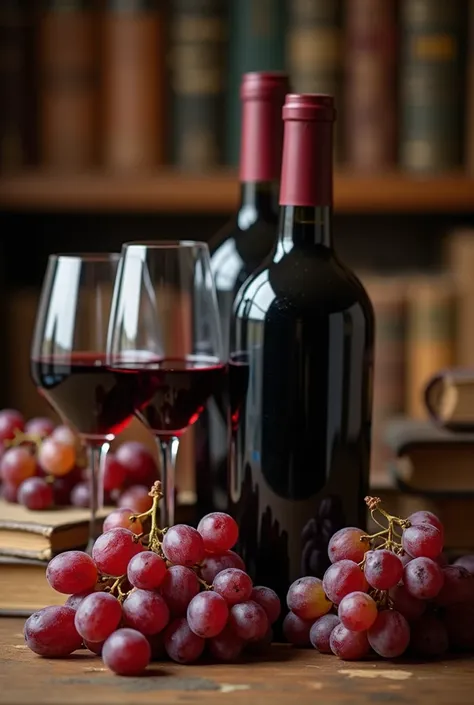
column 165, row 334
column 68, row 354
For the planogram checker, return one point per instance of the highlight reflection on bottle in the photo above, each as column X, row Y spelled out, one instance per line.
column 300, row 462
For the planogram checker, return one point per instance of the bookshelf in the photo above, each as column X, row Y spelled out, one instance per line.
column 171, row 191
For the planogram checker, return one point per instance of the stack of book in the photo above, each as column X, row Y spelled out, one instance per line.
column 28, row 540
column 432, row 459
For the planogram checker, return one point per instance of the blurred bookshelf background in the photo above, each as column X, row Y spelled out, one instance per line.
column 120, row 120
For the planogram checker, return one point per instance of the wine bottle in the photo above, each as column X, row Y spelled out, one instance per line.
column 303, row 322
column 238, row 249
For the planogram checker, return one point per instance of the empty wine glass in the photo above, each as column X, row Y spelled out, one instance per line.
column 68, row 355
column 165, row 333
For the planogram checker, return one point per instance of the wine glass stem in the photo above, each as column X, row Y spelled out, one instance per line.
column 169, row 452
column 96, row 456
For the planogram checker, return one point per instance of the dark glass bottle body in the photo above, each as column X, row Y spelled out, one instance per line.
column 236, row 251
column 300, row 453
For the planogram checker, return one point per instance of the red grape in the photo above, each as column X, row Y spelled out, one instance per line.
column 383, row 569
column 183, row 545
column 17, row 464
column 459, row 622
column 226, row 646
column 63, row 434
column 138, row 462
column 214, row 563
column 146, row 611
column 348, row 645
column 56, row 458
column 422, row 540
column 40, row 426
column 72, row 572
column 219, row 532
column 233, row 585
column 51, row 632
column 114, row 473
column 75, row 600
column 136, row 498
column 357, row 611
column 97, row 616
column 81, row 495
column 121, row 518
column 62, row 491
column 269, row 600
column 425, row 517
column 410, row 607
column 178, row 588
column 113, row 551
column 423, row 578
column 10, row 421
column 429, row 636
column 9, row 492
column 307, row 599
column 341, row 578
column 181, row 644
column 249, row 621
column 389, row 635
column 126, row 652
column 146, row 570
column 320, row 633
column 466, row 562
column 296, row 630
column 207, row 614
column 346, row 543
column 35, row 494
column 458, row 586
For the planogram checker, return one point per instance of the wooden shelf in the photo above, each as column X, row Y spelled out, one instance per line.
column 170, row 191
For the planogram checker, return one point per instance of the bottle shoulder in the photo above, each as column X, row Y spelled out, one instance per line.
column 302, row 283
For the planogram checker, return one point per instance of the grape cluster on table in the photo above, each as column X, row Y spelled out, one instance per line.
column 130, row 604
column 386, row 601
column 46, row 467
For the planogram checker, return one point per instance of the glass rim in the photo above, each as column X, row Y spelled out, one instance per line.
column 86, row 256
column 165, row 244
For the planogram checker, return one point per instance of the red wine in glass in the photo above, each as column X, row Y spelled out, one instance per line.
column 170, row 393
column 97, row 400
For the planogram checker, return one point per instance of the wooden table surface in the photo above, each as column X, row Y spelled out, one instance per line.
column 287, row 676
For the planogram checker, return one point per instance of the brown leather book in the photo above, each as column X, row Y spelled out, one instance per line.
column 68, row 85
column 41, row 535
column 133, row 54
column 24, row 588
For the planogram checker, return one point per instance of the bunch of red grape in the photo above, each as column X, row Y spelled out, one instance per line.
column 43, row 465
column 386, row 593
column 174, row 592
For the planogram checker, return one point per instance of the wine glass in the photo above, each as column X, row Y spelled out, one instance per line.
column 165, row 333
column 68, row 356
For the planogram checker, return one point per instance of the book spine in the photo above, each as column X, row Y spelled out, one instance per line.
column 370, row 84
column 16, row 85
column 470, row 93
column 133, row 79
column 430, row 336
column 389, row 302
column 315, row 52
column 68, row 86
column 198, row 72
column 460, row 261
column 256, row 43
column 431, row 92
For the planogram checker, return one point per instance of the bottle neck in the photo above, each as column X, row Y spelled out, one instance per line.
column 261, row 196
column 261, row 141
column 304, row 226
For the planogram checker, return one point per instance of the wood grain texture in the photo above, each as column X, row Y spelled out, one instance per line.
column 170, row 191
column 289, row 675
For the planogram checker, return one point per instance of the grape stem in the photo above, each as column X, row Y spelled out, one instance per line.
column 116, row 587
column 154, row 543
